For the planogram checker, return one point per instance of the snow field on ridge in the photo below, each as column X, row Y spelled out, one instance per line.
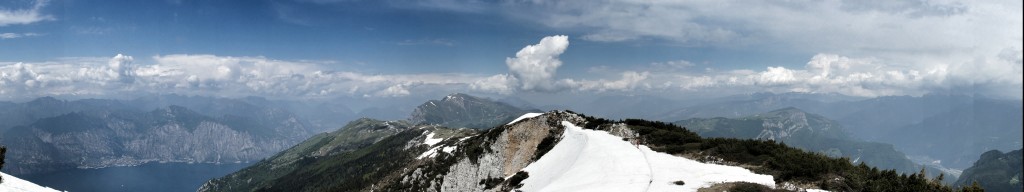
column 589, row 160
column 13, row 184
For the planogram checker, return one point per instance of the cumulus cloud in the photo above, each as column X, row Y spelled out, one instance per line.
column 122, row 66
column 24, row 16
column 535, row 65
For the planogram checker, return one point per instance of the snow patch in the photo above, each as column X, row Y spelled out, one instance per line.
column 431, row 141
column 12, row 183
column 588, row 160
column 525, row 116
column 433, row 151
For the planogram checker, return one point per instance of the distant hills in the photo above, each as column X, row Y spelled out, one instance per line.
column 810, row 132
column 941, row 130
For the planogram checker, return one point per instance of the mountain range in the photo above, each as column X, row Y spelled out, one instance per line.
column 923, row 127
column 558, row 150
column 47, row 134
column 810, row 132
column 301, row 142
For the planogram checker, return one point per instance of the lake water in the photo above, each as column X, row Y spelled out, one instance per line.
column 153, row 177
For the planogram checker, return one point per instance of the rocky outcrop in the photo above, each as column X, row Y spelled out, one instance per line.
column 502, row 153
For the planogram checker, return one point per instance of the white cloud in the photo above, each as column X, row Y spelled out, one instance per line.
column 775, row 76
column 672, row 65
column 24, row 16
column 501, row 84
column 830, row 73
column 397, row 90
column 17, row 35
column 629, row 81
column 534, row 70
column 535, row 65
column 965, row 38
column 209, row 75
column 122, row 66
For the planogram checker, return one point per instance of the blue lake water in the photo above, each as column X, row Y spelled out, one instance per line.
column 152, row 177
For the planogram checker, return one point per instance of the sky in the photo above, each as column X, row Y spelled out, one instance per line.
column 317, row 49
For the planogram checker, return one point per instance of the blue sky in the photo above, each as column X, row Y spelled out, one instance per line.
column 396, row 48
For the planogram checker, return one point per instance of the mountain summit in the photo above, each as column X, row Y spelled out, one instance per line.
column 462, row 110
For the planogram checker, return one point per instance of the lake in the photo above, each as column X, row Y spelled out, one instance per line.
column 152, row 177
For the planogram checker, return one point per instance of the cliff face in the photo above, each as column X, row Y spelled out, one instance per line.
column 502, row 154
column 127, row 138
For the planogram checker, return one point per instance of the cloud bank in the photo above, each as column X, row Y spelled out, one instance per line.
column 533, row 69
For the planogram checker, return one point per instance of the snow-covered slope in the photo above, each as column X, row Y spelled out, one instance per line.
column 588, row 160
column 14, row 184
column 525, row 116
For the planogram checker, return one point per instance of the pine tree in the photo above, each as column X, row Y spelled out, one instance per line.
column 975, row 187
column 3, row 155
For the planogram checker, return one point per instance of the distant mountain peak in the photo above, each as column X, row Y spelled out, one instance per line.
column 46, row 99
column 460, row 96
column 463, row 110
column 787, row 110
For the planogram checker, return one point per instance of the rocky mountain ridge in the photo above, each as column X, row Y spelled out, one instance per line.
column 431, row 158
